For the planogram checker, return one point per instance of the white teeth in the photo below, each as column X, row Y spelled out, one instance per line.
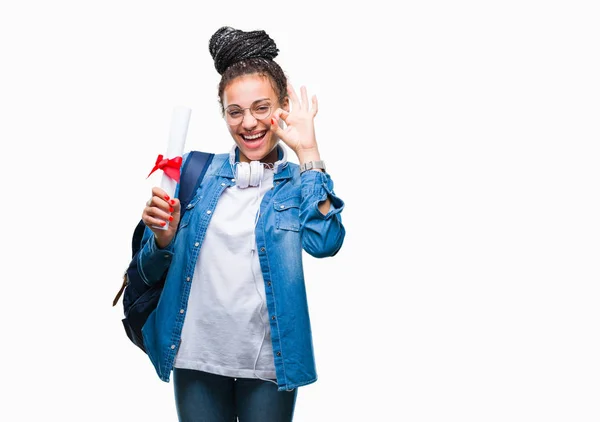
column 258, row 135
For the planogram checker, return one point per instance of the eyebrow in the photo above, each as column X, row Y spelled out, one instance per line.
column 254, row 102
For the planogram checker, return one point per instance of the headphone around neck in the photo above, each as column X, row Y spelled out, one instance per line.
column 251, row 174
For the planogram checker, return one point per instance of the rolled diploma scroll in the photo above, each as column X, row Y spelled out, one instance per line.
column 179, row 126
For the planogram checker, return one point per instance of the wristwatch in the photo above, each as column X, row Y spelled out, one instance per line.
column 309, row 165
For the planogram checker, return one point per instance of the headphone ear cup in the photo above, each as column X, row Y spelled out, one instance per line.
column 256, row 173
column 280, row 164
column 242, row 174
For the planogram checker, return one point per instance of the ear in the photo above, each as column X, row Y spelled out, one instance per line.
column 286, row 104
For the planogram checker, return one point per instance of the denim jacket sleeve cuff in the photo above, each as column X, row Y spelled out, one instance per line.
column 153, row 261
column 319, row 186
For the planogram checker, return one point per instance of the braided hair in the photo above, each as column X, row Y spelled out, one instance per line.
column 236, row 53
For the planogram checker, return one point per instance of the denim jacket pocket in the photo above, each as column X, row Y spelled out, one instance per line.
column 287, row 215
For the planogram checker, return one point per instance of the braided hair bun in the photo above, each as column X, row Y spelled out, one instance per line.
column 228, row 46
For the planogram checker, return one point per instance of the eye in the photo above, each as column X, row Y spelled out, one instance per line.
column 262, row 108
column 234, row 113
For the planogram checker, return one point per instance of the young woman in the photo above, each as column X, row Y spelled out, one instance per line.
column 233, row 323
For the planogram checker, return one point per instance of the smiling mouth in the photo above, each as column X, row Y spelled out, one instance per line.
column 255, row 136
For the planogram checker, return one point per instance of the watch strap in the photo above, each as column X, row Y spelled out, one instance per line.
column 309, row 165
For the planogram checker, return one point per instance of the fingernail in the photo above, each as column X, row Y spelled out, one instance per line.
column 171, row 209
column 272, row 121
column 167, row 197
column 170, row 218
column 172, row 202
column 163, row 223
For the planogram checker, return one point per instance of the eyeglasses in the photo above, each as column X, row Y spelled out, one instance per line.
column 260, row 109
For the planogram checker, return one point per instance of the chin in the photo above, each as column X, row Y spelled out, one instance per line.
column 258, row 153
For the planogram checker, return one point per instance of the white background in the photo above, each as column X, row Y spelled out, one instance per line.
column 463, row 137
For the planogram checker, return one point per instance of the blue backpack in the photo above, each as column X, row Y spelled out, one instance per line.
column 139, row 299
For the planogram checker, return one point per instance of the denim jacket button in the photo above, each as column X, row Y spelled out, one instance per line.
column 262, row 249
column 278, row 353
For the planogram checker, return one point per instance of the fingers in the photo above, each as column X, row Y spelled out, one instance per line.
column 280, row 114
column 293, row 97
column 304, row 96
column 161, row 200
column 160, row 208
column 275, row 119
column 151, row 220
column 303, row 105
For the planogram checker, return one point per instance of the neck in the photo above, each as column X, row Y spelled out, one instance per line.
column 270, row 158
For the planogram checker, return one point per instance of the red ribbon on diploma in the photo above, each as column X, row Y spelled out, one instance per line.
column 170, row 166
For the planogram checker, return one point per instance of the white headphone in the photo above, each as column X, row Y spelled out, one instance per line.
column 251, row 174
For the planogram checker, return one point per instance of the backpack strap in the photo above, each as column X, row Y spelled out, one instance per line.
column 192, row 173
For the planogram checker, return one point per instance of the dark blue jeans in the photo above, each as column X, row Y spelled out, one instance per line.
column 204, row 397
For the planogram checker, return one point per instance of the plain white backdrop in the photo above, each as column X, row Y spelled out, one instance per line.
column 463, row 137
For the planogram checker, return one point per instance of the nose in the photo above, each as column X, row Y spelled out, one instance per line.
column 248, row 121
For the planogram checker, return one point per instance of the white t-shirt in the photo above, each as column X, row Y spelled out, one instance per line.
column 226, row 326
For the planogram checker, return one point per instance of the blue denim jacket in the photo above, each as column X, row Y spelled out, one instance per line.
column 289, row 222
